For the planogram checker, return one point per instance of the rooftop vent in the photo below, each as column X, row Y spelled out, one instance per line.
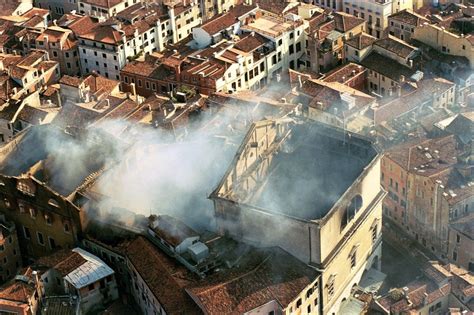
column 198, row 251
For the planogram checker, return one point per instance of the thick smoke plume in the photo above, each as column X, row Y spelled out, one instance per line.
column 145, row 171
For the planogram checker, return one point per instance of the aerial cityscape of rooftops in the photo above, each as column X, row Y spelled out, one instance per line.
column 257, row 157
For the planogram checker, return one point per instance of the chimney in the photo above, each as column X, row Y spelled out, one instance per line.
column 134, row 90
column 35, row 278
column 177, row 71
column 425, row 298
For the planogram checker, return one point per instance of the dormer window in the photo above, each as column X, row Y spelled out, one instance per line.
column 53, row 203
column 25, row 188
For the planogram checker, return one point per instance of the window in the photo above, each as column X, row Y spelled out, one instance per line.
column 25, row 188
column 48, row 219
column 66, row 227
column 374, row 233
column 40, row 238
column 32, row 213
column 26, row 232
column 330, row 286
column 52, row 243
column 353, row 257
column 21, row 207
column 91, row 287
column 458, row 238
column 298, row 303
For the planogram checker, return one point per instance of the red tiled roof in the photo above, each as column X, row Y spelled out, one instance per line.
column 273, row 275
column 345, row 22
column 103, row 3
column 70, row 263
column 103, row 33
column 36, row 11
column 413, row 155
column 408, row 17
column 226, row 20
column 164, row 276
column 16, row 290
column 361, row 41
column 396, row 46
column 71, row 81
column 251, row 42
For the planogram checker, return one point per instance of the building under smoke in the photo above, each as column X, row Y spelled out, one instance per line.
column 41, row 172
column 312, row 190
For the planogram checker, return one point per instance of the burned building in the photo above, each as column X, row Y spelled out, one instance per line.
column 41, row 171
column 312, row 190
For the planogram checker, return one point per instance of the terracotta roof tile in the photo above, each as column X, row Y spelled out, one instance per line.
column 224, row 21
column 103, row 3
column 386, row 66
column 163, row 275
column 250, row 43
column 396, row 46
column 271, row 275
column 345, row 22
column 408, row 17
column 361, row 41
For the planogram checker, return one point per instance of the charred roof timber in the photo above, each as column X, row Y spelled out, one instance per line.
column 300, row 185
column 313, row 162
